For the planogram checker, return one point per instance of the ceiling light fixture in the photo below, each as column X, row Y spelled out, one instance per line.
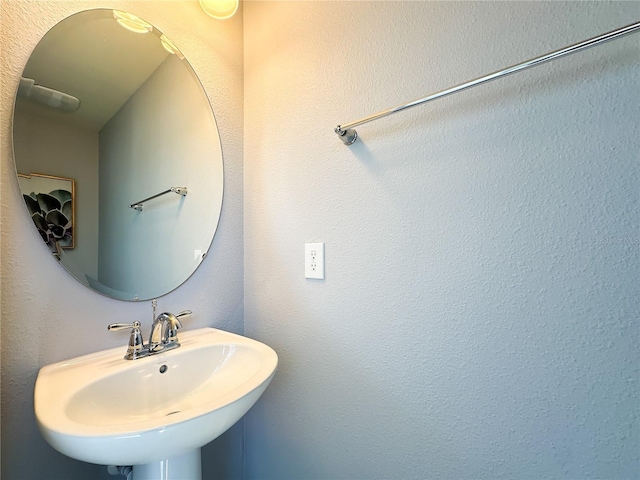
column 220, row 9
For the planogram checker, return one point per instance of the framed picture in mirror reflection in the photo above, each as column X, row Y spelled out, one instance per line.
column 51, row 203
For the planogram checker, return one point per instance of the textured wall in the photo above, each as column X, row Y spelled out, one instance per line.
column 479, row 313
column 46, row 315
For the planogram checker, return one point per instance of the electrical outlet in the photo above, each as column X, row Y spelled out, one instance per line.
column 314, row 260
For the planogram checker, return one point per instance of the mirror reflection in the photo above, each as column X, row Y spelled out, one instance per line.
column 108, row 115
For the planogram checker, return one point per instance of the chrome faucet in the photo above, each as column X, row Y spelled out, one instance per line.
column 163, row 336
column 164, row 331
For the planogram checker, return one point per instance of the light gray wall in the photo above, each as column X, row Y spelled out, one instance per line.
column 479, row 313
column 164, row 136
column 48, row 316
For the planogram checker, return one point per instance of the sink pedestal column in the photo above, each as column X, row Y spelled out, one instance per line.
column 187, row 466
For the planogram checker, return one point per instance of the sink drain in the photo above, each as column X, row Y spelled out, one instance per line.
column 163, row 368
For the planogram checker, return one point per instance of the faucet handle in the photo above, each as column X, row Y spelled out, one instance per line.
column 136, row 343
column 122, row 326
column 174, row 323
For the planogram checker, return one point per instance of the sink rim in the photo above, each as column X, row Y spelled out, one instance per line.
column 81, row 372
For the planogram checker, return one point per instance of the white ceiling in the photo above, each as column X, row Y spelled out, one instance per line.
column 96, row 60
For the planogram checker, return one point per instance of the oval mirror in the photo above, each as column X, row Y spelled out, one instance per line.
column 118, row 155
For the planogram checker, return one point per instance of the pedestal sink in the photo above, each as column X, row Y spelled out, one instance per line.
column 156, row 412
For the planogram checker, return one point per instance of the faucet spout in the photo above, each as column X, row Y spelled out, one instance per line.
column 164, row 331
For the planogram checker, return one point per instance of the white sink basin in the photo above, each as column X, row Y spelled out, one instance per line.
column 100, row 408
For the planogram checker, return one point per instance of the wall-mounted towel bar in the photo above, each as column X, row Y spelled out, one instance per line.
column 179, row 190
column 348, row 135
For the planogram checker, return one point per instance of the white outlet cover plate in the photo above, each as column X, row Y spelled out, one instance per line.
column 314, row 260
